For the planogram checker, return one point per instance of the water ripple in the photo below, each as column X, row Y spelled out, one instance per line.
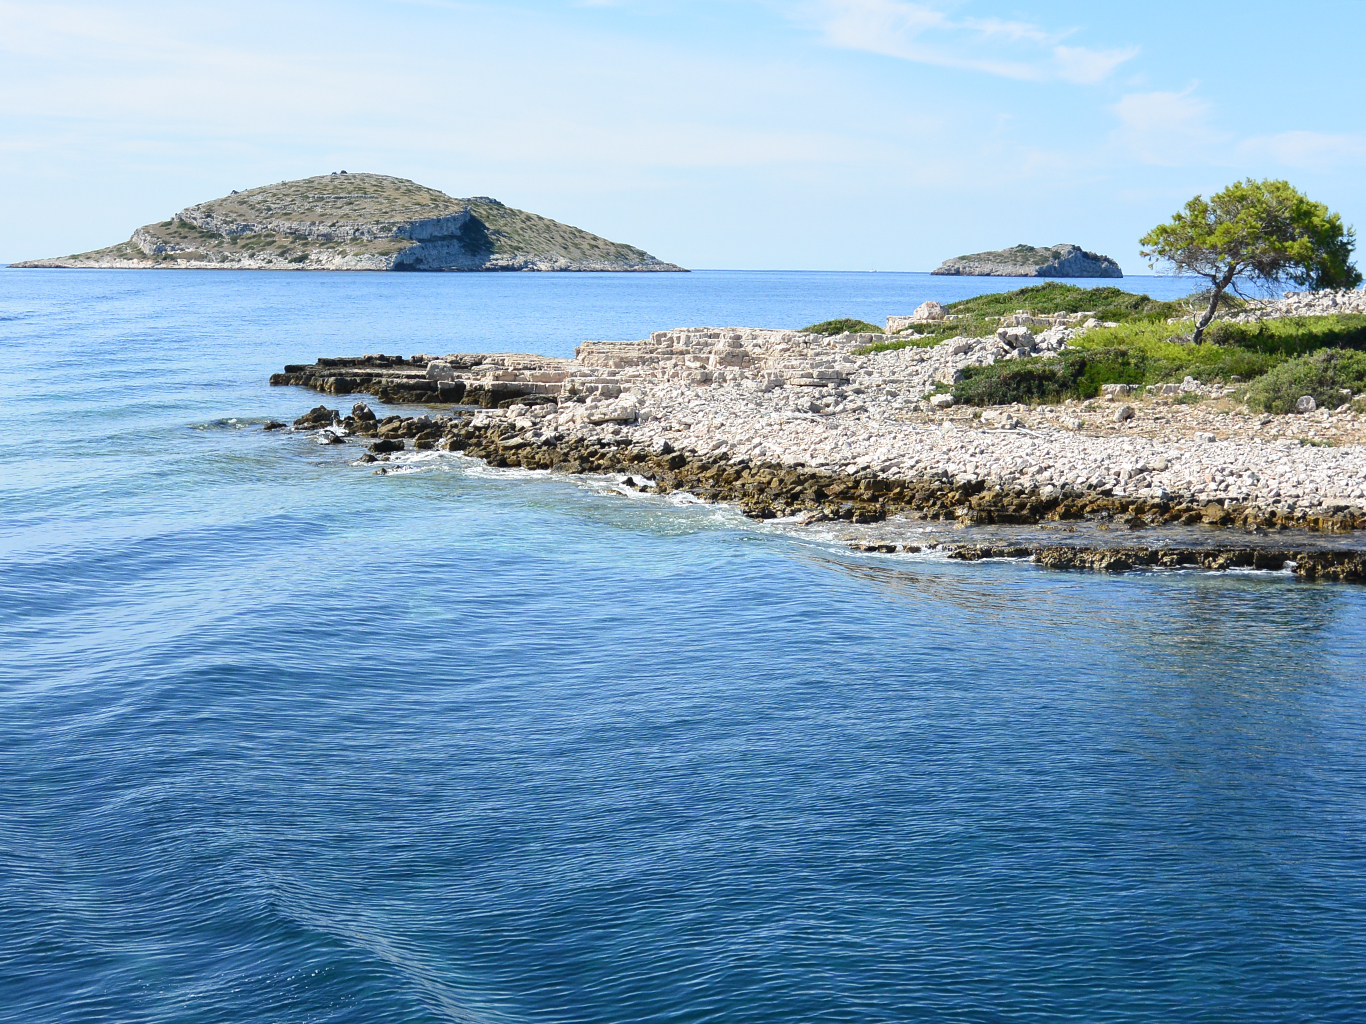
column 285, row 741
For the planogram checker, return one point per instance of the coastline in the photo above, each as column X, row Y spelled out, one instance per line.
column 1243, row 539
column 352, row 266
column 788, row 425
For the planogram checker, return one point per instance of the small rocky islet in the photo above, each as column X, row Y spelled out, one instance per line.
column 814, row 428
column 1061, row 260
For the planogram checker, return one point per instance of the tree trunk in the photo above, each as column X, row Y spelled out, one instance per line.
column 1208, row 315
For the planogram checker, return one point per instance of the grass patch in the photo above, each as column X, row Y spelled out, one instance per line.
column 932, row 332
column 927, row 341
column 1323, row 375
column 847, row 325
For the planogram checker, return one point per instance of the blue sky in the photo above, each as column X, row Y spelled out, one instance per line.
column 792, row 134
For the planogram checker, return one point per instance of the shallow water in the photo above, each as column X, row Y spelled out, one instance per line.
column 283, row 740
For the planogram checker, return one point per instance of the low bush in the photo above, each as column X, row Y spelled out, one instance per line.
column 1323, row 375
column 1169, row 356
column 1081, row 372
column 1074, row 374
column 1292, row 336
column 847, row 325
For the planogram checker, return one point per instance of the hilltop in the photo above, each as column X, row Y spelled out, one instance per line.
column 1061, row 260
column 360, row 222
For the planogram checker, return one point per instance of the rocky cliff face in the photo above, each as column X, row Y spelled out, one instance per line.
column 360, row 222
column 1062, row 260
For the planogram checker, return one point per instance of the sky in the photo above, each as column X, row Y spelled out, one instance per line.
column 738, row 134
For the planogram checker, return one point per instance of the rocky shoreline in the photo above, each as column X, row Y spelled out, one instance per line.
column 768, row 491
column 788, row 425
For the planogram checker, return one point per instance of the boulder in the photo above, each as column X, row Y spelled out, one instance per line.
column 440, row 369
column 322, row 416
column 1053, row 340
column 941, row 401
column 928, row 310
column 1124, row 412
column 1021, row 339
column 387, row 444
column 1305, row 404
column 623, row 410
column 361, row 411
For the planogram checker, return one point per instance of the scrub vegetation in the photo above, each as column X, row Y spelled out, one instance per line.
column 847, row 325
column 1140, row 353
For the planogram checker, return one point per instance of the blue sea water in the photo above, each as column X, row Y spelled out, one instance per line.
column 285, row 741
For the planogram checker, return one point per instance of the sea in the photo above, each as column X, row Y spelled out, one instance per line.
column 286, row 741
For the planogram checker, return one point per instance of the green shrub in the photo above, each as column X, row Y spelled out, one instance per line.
column 1169, row 356
column 1074, row 374
column 1029, row 381
column 1322, row 375
column 1292, row 336
column 848, row 325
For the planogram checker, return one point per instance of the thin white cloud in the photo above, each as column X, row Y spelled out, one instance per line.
column 927, row 34
column 1167, row 128
column 1176, row 129
column 1307, row 150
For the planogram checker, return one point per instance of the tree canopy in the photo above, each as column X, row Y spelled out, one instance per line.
column 1264, row 231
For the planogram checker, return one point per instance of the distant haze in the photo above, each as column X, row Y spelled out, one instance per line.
column 807, row 134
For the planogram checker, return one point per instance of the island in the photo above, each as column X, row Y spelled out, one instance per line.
column 1062, row 260
column 344, row 221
